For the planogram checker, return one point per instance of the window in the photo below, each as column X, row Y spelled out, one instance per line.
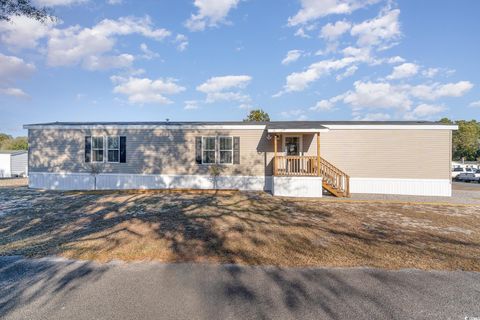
column 113, row 147
column 226, row 149
column 208, row 154
column 97, row 149
column 458, row 169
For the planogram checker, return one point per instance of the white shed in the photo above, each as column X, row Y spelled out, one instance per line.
column 13, row 163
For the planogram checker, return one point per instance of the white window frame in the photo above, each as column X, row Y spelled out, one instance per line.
column 92, row 149
column 118, row 140
column 214, row 150
column 219, row 150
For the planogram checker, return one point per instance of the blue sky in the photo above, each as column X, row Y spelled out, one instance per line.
column 125, row 60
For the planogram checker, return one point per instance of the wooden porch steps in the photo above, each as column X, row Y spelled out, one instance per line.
column 333, row 191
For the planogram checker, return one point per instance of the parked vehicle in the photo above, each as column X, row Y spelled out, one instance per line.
column 477, row 174
column 467, row 177
column 457, row 170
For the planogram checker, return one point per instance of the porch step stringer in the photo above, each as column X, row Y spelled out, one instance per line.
column 335, row 180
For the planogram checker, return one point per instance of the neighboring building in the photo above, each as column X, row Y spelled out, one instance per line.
column 13, row 163
column 394, row 157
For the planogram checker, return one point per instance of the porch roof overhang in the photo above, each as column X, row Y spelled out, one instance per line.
column 296, row 127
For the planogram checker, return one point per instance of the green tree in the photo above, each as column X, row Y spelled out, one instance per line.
column 18, row 143
column 10, row 8
column 446, row 121
column 4, row 137
column 466, row 140
column 257, row 115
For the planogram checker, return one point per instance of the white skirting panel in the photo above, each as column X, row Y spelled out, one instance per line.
column 310, row 187
column 85, row 181
column 418, row 187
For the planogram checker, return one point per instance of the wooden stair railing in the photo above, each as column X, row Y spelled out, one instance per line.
column 334, row 181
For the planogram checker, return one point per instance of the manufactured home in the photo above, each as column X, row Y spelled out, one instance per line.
column 13, row 163
column 287, row 158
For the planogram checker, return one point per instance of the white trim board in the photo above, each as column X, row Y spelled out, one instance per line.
column 418, row 187
column 389, row 127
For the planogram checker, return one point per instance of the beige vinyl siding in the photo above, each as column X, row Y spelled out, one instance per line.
column 148, row 151
column 406, row 154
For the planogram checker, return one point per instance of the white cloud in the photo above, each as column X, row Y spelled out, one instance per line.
column 396, row 59
column 314, row 9
column 14, row 92
column 76, row 45
column 144, row 90
column 475, row 104
column 191, row 105
column 108, row 62
column 147, row 53
column 114, row 2
column 380, row 31
column 182, row 42
column 225, row 88
column 292, row 56
column 210, row 13
column 216, row 84
column 297, row 114
column 301, row 33
column 299, row 81
column 13, row 68
column 53, row 3
column 401, row 98
column 436, row 90
column 348, row 73
column 404, row 70
column 430, row 72
column 424, row 111
column 23, row 33
column 245, row 106
column 377, row 95
column 373, row 117
column 323, row 105
column 331, row 31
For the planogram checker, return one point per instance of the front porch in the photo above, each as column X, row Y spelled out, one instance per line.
column 299, row 169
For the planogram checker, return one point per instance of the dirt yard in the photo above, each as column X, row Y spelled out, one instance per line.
column 237, row 227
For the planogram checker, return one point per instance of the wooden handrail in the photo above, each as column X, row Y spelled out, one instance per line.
column 335, row 178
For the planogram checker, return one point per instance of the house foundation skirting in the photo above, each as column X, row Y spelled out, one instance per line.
column 418, row 187
column 282, row 186
column 111, row 181
column 308, row 187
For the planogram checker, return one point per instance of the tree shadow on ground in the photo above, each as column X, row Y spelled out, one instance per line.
column 200, row 227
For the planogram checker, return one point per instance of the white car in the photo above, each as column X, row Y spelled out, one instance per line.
column 456, row 171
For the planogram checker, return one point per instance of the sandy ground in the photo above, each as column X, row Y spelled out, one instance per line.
column 238, row 227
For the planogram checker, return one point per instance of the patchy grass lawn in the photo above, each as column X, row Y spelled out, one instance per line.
column 237, row 227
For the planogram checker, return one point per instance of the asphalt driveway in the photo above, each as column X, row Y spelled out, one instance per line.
column 64, row 289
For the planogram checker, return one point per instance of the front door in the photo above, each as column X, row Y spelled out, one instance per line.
column 292, row 146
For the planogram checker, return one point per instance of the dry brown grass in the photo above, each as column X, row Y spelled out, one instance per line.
column 235, row 227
